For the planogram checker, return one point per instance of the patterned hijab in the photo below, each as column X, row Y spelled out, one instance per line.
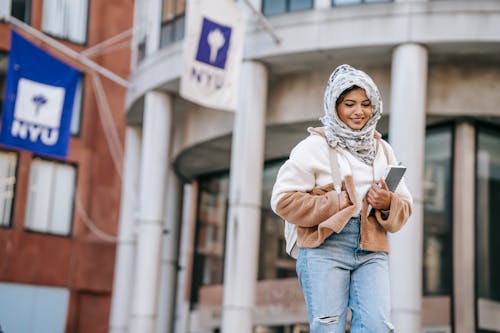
column 360, row 143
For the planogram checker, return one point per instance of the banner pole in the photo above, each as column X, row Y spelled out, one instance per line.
column 264, row 21
column 68, row 52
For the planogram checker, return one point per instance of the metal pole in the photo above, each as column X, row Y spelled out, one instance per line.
column 264, row 21
column 68, row 51
column 96, row 49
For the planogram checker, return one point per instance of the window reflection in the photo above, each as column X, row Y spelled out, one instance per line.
column 8, row 166
column 212, row 210
column 274, row 262
column 21, row 9
column 172, row 21
column 213, row 198
column 274, row 7
column 488, row 228
column 437, row 256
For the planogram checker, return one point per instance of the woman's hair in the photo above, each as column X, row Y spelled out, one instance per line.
column 344, row 93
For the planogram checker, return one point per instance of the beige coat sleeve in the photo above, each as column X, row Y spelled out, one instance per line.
column 296, row 196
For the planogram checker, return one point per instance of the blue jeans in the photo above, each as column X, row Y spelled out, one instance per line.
column 339, row 274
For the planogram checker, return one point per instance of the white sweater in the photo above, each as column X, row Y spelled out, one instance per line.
column 309, row 166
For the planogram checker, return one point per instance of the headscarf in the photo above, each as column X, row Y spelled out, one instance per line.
column 360, row 143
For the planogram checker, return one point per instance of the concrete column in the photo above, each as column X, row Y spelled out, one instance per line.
column 125, row 249
column 407, row 137
column 169, row 263
column 464, row 228
column 152, row 183
column 243, row 225
column 186, row 253
column 153, row 14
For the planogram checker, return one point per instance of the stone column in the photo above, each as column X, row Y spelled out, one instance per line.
column 407, row 137
column 152, row 184
column 169, row 261
column 464, row 228
column 243, row 225
column 125, row 248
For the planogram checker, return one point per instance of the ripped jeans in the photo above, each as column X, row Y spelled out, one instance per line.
column 339, row 274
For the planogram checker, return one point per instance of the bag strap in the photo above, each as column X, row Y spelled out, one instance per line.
column 335, row 167
column 335, row 170
column 386, row 151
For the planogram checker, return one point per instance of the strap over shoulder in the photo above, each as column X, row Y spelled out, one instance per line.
column 388, row 155
column 335, row 169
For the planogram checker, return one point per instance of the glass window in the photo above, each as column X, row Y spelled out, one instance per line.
column 274, row 262
column 33, row 309
column 172, row 21
column 211, row 224
column 50, row 197
column 355, row 2
column 488, row 228
column 8, row 166
column 437, row 256
column 140, row 29
column 21, row 9
column 66, row 19
column 213, row 197
column 77, row 109
column 273, row 7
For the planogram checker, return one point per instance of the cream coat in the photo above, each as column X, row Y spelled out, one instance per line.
column 304, row 195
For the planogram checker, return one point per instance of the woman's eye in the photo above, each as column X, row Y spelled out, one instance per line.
column 349, row 105
column 366, row 105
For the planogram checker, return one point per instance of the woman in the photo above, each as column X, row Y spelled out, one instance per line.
column 343, row 251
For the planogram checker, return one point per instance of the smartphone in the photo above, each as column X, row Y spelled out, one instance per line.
column 393, row 175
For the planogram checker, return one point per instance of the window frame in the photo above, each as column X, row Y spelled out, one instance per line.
column 171, row 38
column 282, row 257
column 67, row 38
column 483, row 127
column 287, row 8
column 27, row 11
column 81, row 109
column 446, row 125
column 198, row 258
column 14, row 189
column 73, row 203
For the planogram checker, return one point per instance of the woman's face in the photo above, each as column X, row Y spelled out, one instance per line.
column 355, row 109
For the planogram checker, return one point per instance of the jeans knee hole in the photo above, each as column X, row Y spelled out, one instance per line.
column 328, row 319
column 389, row 325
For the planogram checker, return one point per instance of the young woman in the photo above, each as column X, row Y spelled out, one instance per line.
column 343, row 250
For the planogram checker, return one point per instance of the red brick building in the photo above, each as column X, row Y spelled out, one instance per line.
column 47, row 251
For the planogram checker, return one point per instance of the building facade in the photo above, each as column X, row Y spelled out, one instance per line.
column 57, row 215
column 201, row 250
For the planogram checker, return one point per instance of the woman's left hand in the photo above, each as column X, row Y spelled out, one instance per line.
column 379, row 196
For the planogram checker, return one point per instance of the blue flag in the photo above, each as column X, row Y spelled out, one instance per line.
column 39, row 97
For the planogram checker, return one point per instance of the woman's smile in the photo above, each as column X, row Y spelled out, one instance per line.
column 355, row 109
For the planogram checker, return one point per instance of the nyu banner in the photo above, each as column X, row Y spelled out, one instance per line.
column 213, row 48
column 39, row 98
